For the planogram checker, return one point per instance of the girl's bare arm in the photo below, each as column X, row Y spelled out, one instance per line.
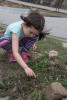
column 15, row 47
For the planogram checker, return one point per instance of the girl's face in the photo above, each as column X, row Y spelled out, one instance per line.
column 29, row 31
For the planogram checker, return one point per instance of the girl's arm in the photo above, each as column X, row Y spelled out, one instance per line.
column 15, row 47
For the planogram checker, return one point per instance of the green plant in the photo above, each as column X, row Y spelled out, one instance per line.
column 2, row 84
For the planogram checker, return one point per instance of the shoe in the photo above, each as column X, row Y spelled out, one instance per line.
column 25, row 57
column 12, row 58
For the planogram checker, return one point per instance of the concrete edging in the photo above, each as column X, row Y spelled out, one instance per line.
column 57, row 38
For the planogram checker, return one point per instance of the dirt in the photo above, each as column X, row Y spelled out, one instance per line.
column 9, row 69
column 9, row 4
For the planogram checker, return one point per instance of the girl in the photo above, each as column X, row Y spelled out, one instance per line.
column 23, row 34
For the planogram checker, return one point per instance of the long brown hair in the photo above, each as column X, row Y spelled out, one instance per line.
column 38, row 21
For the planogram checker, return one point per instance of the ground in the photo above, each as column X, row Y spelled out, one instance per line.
column 14, row 82
column 9, row 4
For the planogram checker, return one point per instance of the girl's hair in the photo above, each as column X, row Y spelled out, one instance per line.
column 37, row 20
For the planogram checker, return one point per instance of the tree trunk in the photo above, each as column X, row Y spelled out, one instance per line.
column 64, row 5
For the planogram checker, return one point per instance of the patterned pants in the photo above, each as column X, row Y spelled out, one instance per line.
column 26, row 43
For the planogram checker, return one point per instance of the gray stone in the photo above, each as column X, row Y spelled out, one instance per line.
column 2, row 51
column 14, row 89
column 55, row 91
column 66, row 67
column 0, row 75
column 6, row 98
column 64, row 99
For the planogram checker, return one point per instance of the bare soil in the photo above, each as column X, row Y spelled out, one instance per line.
column 9, row 4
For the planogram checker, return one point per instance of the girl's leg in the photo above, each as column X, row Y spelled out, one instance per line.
column 4, row 43
column 27, row 43
column 7, row 45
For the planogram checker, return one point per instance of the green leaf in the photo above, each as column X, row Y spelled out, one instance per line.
column 2, row 85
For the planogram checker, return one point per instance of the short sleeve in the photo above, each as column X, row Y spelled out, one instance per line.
column 16, row 30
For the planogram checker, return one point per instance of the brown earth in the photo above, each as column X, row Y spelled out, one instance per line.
column 9, row 4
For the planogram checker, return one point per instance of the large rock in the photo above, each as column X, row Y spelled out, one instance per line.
column 53, row 54
column 64, row 45
column 64, row 99
column 6, row 98
column 0, row 75
column 55, row 91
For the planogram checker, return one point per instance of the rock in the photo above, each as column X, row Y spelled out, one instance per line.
column 6, row 98
column 65, row 64
column 0, row 75
column 55, row 91
column 64, row 99
column 14, row 89
column 66, row 67
column 36, row 56
column 64, row 45
column 54, row 63
column 53, row 53
column 2, row 51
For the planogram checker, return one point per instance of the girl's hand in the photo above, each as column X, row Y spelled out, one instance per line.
column 29, row 72
column 34, row 47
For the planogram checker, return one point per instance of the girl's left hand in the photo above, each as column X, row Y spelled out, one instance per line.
column 34, row 47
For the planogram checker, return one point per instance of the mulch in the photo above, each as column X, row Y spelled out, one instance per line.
column 10, row 4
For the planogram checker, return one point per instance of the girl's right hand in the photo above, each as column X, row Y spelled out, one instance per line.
column 29, row 72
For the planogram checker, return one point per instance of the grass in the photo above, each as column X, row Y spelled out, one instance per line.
column 18, row 86
column 33, row 88
column 52, row 13
column 1, row 28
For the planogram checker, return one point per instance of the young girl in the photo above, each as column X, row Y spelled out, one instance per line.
column 23, row 34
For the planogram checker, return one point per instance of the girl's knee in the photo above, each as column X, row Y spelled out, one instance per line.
column 3, row 42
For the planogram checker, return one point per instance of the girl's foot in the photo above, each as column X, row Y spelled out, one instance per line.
column 25, row 57
column 12, row 58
